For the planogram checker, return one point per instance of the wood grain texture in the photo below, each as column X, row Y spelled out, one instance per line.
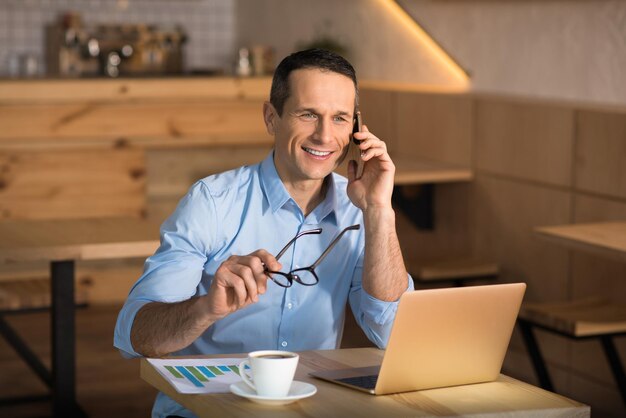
column 77, row 239
column 136, row 123
column 434, row 126
column 578, row 318
column 73, row 90
column 526, row 141
column 504, row 397
column 72, row 184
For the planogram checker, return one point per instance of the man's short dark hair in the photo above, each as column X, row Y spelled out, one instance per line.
column 310, row 58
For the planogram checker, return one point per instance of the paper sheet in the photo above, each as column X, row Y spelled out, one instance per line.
column 199, row 375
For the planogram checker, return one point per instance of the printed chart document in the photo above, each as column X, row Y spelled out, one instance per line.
column 199, row 375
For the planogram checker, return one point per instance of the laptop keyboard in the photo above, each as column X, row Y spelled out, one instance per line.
column 366, row 382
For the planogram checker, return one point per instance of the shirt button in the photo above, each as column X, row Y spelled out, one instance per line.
column 289, row 305
column 284, row 343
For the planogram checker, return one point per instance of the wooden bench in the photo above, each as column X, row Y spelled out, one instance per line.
column 577, row 320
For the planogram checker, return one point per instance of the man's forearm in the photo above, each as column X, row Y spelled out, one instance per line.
column 162, row 328
column 384, row 273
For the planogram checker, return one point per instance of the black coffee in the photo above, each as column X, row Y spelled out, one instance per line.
column 276, row 356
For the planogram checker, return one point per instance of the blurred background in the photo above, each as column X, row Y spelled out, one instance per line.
column 115, row 107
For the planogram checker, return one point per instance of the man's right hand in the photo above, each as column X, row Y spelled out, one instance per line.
column 238, row 282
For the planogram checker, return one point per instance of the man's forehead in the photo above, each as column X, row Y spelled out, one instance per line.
column 312, row 84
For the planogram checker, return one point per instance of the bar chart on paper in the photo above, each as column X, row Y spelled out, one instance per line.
column 199, row 375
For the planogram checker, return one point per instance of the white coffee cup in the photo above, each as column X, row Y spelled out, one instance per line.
column 272, row 372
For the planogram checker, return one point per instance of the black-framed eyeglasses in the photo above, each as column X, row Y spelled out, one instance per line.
column 305, row 275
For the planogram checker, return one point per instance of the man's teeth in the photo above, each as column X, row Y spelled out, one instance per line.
column 315, row 152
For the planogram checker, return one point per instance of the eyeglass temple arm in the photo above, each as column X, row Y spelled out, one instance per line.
column 310, row 231
column 333, row 243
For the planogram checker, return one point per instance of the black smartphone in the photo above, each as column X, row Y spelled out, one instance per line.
column 356, row 151
column 358, row 126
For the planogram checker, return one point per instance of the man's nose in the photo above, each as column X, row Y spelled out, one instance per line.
column 324, row 130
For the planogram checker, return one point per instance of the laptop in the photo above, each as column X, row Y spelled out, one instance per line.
column 441, row 337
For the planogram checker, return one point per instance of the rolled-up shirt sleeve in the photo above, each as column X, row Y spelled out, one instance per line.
column 172, row 274
column 373, row 315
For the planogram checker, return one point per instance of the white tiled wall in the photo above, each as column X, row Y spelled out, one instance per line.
column 209, row 25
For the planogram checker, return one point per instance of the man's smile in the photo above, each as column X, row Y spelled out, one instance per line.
column 317, row 153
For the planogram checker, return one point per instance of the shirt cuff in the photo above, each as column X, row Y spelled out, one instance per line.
column 379, row 311
column 125, row 319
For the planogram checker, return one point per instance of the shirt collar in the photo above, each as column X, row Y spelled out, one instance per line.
column 277, row 195
column 275, row 190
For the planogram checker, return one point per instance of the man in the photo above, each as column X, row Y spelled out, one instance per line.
column 215, row 285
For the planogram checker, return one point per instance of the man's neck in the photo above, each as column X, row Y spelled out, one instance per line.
column 308, row 194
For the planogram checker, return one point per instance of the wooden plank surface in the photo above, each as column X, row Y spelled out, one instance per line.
column 137, row 123
column 416, row 171
column 78, row 90
column 420, row 171
column 504, row 397
column 580, row 318
column 77, row 239
column 72, row 184
column 607, row 239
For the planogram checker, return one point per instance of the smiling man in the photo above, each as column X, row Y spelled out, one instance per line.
column 266, row 256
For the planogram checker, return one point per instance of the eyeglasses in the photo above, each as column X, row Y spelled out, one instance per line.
column 305, row 275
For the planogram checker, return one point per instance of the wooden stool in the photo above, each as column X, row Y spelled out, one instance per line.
column 577, row 320
column 458, row 271
column 22, row 296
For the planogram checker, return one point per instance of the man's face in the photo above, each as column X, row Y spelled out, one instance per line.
column 315, row 127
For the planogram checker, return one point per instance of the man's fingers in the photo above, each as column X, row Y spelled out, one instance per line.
column 267, row 260
column 238, row 290
column 352, row 167
column 246, row 276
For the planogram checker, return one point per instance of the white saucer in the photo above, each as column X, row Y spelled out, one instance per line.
column 298, row 390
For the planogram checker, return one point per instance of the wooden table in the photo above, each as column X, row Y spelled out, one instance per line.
column 607, row 239
column 504, row 397
column 418, row 171
column 61, row 243
column 411, row 171
column 419, row 207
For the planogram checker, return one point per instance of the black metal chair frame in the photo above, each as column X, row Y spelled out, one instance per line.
column 30, row 358
column 539, row 364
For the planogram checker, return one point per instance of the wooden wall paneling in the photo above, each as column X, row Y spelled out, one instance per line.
column 505, row 212
column 600, row 162
column 68, row 91
column 172, row 172
column 531, row 141
column 149, row 123
column 378, row 109
column 435, row 126
column 72, row 184
column 450, row 237
column 109, row 281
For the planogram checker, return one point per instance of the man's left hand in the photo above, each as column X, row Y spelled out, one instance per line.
column 375, row 186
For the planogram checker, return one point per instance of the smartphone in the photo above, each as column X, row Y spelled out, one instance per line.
column 356, row 151
column 358, row 126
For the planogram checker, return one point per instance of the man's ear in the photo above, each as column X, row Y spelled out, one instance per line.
column 269, row 116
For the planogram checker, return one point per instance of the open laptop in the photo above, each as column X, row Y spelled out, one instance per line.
column 441, row 337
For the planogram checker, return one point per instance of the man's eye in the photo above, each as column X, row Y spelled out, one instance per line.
column 307, row 115
column 340, row 119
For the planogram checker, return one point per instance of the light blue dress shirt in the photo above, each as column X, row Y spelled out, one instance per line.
column 238, row 212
